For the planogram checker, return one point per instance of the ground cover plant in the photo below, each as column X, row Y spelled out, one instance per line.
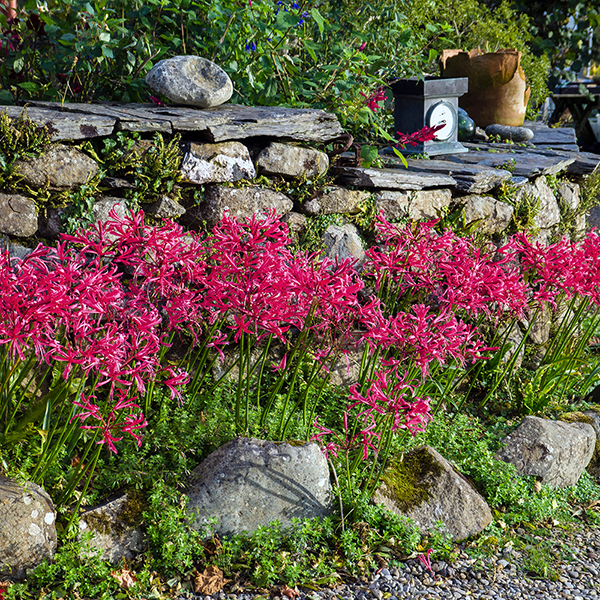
column 128, row 330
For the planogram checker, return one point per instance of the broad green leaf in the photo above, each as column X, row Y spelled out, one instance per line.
column 319, row 20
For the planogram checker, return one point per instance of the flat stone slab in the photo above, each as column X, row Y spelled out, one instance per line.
column 520, row 162
column 217, row 124
column 393, row 179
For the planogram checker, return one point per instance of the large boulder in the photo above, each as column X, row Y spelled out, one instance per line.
column 115, row 528
column 553, row 451
column 427, row 488
column 27, row 527
column 60, row 167
column 18, row 215
column 190, row 80
column 248, row 483
column 214, row 163
column 238, row 202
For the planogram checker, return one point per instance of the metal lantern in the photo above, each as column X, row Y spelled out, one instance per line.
column 429, row 102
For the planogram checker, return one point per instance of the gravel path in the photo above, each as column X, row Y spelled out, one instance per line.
column 575, row 559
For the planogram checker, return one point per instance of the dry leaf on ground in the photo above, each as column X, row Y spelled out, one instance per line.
column 289, row 592
column 210, row 581
column 125, row 578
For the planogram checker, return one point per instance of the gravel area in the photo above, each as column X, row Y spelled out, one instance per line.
column 575, row 558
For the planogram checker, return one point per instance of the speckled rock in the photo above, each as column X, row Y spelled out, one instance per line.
column 421, row 204
column 165, row 208
column 190, row 80
column 115, row 528
column 343, row 241
column 291, row 161
column 554, row 452
column 59, row 167
column 549, row 212
column 216, row 163
column 441, row 494
column 18, row 215
column 239, row 203
column 493, row 216
column 27, row 527
column 103, row 207
column 249, row 483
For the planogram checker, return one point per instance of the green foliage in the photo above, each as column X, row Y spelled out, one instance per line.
column 473, row 25
column 175, row 544
column 20, row 138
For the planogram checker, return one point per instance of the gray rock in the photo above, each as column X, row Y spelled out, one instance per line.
column 59, row 167
column 15, row 250
column 569, row 194
column 439, row 493
column 514, row 337
column 102, row 208
column 549, row 212
column 292, row 161
column 514, row 134
column 239, row 202
column 190, row 80
column 339, row 200
column 540, row 329
column 555, row 452
column 165, row 208
column 427, row 204
column 295, row 221
column 18, row 215
column 343, row 241
column 27, row 527
column 345, row 370
column 215, row 163
column 249, row 483
column 393, row 179
column 493, row 215
column 115, row 528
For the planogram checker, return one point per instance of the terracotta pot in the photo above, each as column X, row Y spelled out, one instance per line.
column 497, row 92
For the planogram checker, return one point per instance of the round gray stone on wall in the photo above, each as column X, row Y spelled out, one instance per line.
column 190, row 80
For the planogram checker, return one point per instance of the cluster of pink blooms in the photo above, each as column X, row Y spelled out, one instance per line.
column 376, row 97
column 105, row 301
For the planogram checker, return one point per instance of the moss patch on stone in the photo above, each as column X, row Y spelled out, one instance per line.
column 129, row 515
column 408, row 481
column 576, row 417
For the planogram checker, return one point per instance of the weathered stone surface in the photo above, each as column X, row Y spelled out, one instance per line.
column 568, row 192
column 425, row 204
column 165, row 208
column 15, row 250
column 440, row 493
column 240, row 203
column 493, row 215
column 59, row 167
column 291, row 161
column 549, row 212
column 215, row 163
column 190, row 80
column 295, row 221
column 473, row 179
column 219, row 124
column 249, row 483
column 540, row 330
column 521, row 162
column 584, row 163
column 392, row 179
column 18, row 215
column 339, row 200
column 554, row 452
column 342, row 242
column 63, row 125
column 346, row 369
column 27, row 527
column 514, row 337
column 115, row 528
column 559, row 138
column 514, row 134
column 105, row 205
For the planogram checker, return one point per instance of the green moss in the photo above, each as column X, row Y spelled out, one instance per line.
column 130, row 515
column 576, row 417
column 408, row 480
